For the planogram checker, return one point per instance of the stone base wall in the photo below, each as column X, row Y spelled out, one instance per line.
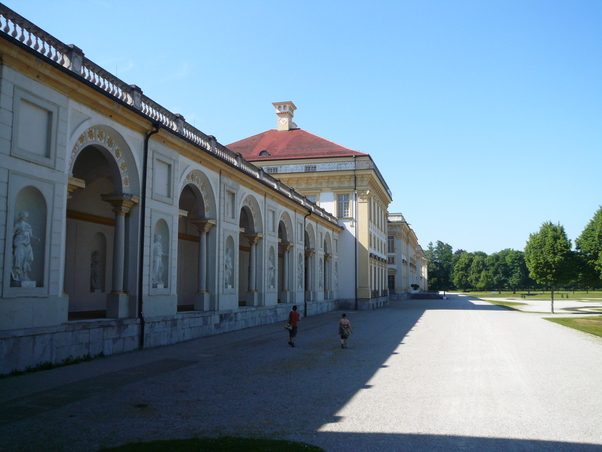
column 29, row 347
column 399, row 296
column 364, row 304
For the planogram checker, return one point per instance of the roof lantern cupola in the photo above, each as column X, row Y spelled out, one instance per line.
column 285, row 112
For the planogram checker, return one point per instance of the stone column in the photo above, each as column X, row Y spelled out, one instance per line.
column 309, row 252
column 117, row 300
column 285, row 296
column 327, row 276
column 252, row 295
column 202, row 297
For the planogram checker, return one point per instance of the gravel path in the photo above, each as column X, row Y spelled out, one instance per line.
column 454, row 374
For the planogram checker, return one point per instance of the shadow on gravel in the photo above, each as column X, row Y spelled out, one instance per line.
column 246, row 383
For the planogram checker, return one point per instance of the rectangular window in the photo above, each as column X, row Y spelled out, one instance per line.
column 34, row 128
column 343, row 206
column 391, row 260
column 230, row 196
column 391, row 244
column 272, row 220
column 310, row 168
column 271, row 169
column 162, row 178
column 311, row 198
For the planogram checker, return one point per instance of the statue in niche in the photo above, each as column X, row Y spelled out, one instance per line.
column 22, row 251
column 94, row 272
column 321, row 274
column 158, row 254
column 300, row 272
column 228, row 267
column 272, row 271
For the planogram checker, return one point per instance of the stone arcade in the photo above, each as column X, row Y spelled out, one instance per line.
column 124, row 226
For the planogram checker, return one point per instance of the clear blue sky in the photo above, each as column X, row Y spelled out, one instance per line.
column 485, row 117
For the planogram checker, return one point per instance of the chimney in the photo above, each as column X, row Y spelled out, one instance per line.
column 285, row 112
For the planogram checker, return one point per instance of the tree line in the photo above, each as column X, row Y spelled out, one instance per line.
column 547, row 262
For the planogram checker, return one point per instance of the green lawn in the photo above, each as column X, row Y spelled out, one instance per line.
column 225, row 444
column 592, row 324
column 539, row 295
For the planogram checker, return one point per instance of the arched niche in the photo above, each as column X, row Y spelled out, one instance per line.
column 272, row 269
column 300, row 271
column 98, row 263
column 27, row 263
column 229, row 259
column 159, row 265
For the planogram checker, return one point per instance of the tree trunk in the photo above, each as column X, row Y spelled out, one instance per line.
column 552, row 299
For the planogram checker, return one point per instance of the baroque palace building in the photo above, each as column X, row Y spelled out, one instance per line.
column 407, row 265
column 348, row 184
column 124, row 227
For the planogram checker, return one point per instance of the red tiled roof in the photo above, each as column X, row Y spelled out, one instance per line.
column 291, row 144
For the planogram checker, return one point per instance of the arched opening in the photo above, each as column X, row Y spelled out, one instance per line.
column 246, row 246
column 309, row 263
column 284, row 264
column 191, row 207
column 90, row 234
column 197, row 244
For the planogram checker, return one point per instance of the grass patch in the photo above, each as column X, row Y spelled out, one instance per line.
column 524, row 295
column 225, row 444
column 592, row 325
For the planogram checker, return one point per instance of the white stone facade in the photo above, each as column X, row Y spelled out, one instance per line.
column 223, row 245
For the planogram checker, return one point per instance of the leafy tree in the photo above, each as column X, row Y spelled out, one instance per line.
column 549, row 257
column 518, row 273
column 476, row 268
column 439, row 265
column 589, row 247
column 498, row 271
column 461, row 271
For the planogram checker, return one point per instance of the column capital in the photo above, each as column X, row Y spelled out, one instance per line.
column 253, row 237
column 73, row 185
column 286, row 245
column 203, row 224
column 363, row 195
column 122, row 202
